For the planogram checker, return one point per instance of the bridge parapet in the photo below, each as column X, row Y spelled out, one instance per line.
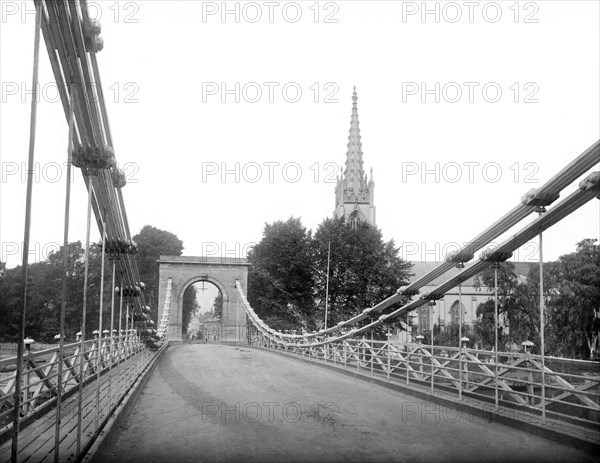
column 105, row 369
column 571, row 391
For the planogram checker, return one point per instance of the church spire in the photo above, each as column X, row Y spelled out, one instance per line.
column 354, row 190
column 354, row 174
column 355, row 179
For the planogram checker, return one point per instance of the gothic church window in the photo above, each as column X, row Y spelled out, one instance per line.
column 454, row 313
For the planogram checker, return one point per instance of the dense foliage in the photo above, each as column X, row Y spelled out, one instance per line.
column 45, row 284
column 44, row 295
column 363, row 271
column 190, row 307
column 287, row 280
column 571, row 296
column 217, row 306
column 280, row 281
column 152, row 243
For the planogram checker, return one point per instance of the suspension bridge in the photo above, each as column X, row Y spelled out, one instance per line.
column 134, row 392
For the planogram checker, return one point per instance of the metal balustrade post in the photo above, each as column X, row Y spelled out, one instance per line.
column 460, row 322
column 463, row 345
column 466, row 364
column 530, row 387
column 431, row 305
column 345, row 353
column 120, row 339
column 27, row 405
column 372, row 352
column 111, row 358
column 420, row 338
column 99, row 363
column 127, row 359
column 127, row 334
column 407, row 351
column 389, row 362
column 335, row 355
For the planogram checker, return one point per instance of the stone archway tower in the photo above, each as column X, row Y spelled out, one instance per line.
column 184, row 271
column 354, row 193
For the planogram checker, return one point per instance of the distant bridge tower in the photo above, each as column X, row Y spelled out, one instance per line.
column 354, row 193
column 178, row 273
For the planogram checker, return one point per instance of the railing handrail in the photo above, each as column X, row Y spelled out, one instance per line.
column 75, row 344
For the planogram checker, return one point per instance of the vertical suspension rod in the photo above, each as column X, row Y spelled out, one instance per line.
column 99, row 347
column 83, row 315
column 496, row 265
column 63, row 296
column 25, row 263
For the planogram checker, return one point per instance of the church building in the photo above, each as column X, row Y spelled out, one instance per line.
column 354, row 193
column 354, row 201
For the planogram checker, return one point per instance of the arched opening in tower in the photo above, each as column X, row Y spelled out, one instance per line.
column 201, row 312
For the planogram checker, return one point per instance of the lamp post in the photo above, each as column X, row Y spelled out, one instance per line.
column 420, row 338
column 27, row 342
column 527, row 345
column 463, row 344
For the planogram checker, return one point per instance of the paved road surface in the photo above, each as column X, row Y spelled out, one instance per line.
column 226, row 403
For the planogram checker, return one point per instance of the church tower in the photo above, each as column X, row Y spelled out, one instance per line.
column 354, row 193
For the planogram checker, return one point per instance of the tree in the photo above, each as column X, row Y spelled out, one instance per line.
column 42, row 320
column 364, row 270
column 217, row 306
column 288, row 277
column 280, row 280
column 572, row 295
column 10, row 303
column 152, row 243
column 45, row 286
column 572, row 289
column 190, row 306
column 516, row 306
column 448, row 335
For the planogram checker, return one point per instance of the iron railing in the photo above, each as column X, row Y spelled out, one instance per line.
column 571, row 389
column 88, row 363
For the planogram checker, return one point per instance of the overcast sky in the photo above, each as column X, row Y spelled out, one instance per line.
column 516, row 84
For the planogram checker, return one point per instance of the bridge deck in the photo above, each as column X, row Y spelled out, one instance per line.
column 226, row 403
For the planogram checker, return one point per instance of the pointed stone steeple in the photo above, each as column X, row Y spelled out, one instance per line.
column 354, row 173
column 354, row 191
